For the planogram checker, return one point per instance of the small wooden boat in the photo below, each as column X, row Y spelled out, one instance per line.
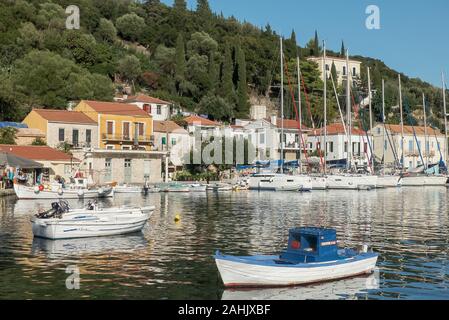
column 127, row 189
column 53, row 191
column 177, row 188
column 312, row 256
column 61, row 222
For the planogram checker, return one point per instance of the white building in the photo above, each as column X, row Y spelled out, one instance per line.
column 160, row 110
column 171, row 138
column 430, row 152
column 205, row 126
column 337, row 144
column 340, row 66
column 258, row 112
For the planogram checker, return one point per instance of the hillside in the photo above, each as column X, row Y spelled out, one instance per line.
column 201, row 60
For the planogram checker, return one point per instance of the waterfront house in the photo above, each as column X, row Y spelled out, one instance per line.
column 173, row 139
column 63, row 126
column 431, row 152
column 125, row 153
column 340, row 66
column 54, row 162
column 202, row 125
column 159, row 109
column 294, row 140
column 26, row 136
column 121, row 126
column 337, row 144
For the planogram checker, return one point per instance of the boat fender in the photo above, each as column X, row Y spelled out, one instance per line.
column 100, row 191
column 80, row 193
column 60, row 192
column 36, row 189
column 177, row 218
column 365, row 248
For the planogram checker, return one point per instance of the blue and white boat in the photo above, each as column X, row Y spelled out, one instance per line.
column 312, row 256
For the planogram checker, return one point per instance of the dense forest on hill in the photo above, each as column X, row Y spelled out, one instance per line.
column 200, row 60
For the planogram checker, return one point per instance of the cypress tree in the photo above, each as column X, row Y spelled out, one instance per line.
column 203, row 7
column 293, row 37
column 343, row 50
column 180, row 5
column 242, row 86
column 180, row 67
column 316, row 45
column 214, row 73
column 334, row 73
column 227, row 84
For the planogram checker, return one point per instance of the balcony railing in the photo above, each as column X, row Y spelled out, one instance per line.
column 127, row 138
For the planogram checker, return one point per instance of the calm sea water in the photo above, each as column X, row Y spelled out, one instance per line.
column 173, row 260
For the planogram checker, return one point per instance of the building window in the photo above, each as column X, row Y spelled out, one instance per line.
column 61, row 135
column 327, row 67
column 126, row 131
column 354, row 73
column 330, row 146
column 378, row 130
column 147, row 108
column 127, row 163
column 164, row 141
column 75, row 137
column 173, row 141
column 262, row 138
column 141, row 128
column 126, row 147
column 110, row 147
column 410, row 146
column 110, row 127
column 88, row 136
column 108, row 169
column 346, row 147
column 344, row 71
column 67, row 169
column 385, row 146
column 159, row 109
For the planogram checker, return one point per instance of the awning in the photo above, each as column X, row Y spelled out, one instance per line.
column 8, row 159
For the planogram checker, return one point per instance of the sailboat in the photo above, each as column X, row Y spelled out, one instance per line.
column 350, row 180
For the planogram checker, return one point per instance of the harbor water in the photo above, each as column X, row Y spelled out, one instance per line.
column 408, row 227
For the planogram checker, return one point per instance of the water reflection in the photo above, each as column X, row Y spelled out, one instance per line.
column 409, row 227
column 344, row 289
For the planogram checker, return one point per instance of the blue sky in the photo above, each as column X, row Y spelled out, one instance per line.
column 413, row 39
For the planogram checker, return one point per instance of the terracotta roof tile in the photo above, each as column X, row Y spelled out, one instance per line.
column 64, row 116
column 146, row 99
column 396, row 128
column 116, row 108
column 335, row 129
column 37, row 153
column 167, row 126
column 191, row 120
column 289, row 124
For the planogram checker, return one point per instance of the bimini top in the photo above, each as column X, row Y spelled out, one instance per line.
column 310, row 244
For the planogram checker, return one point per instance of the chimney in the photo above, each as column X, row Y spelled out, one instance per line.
column 274, row 120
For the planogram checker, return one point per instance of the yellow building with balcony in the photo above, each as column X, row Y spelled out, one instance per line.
column 120, row 126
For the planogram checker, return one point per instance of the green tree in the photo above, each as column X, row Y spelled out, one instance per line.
column 316, row 45
column 29, row 37
column 180, row 68
column 39, row 142
column 334, row 73
column 203, row 8
column 216, row 107
column 106, row 31
column 242, row 86
column 129, row 68
column 342, row 50
column 180, row 5
column 227, row 84
column 130, row 26
column 8, row 135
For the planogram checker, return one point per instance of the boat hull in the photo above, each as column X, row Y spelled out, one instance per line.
column 351, row 182
column 278, row 182
column 388, row 181
column 319, row 183
column 84, row 224
column 24, row 192
column 240, row 274
column 421, row 181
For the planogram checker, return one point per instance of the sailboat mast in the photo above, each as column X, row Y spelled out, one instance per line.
column 282, row 107
column 348, row 111
column 445, row 118
column 426, row 140
column 402, row 123
column 325, row 106
column 299, row 111
column 383, row 121
column 370, row 116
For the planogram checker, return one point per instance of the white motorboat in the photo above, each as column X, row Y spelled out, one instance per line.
column 279, row 182
column 351, row 181
column 61, row 222
column 197, row 187
column 312, row 256
column 127, row 189
column 53, row 191
column 388, row 181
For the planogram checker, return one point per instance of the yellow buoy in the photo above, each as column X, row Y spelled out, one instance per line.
column 177, row 218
